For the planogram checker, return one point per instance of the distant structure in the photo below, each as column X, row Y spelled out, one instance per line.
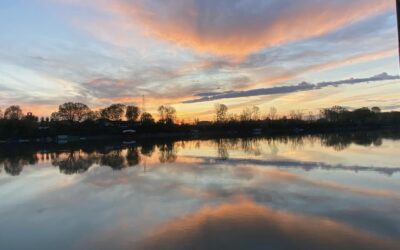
column 144, row 100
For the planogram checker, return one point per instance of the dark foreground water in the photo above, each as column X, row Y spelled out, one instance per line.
column 313, row 192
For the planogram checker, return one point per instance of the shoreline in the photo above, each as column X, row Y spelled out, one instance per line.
column 191, row 135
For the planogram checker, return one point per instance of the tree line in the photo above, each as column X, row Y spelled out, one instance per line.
column 77, row 118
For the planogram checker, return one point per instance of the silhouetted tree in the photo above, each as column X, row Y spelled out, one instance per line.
column 333, row 114
column 232, row 118
column 13, row 113
column 146, row 119
column 272, row 115
column 73, row 112
column 255, row 115
column 167, row 114
column 55, row 117
column 221, row 111
column 250, row 114
column 114, row 112
column 132, row 113
column 296, row 115
column 30, row 118
column 311, row 117
column 93, row 115
column 18, row 126
column 362, row 114
column 376, row 110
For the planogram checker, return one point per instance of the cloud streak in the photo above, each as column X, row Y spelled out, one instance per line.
column 239, row 27
column 304, row 86
column 100, row 52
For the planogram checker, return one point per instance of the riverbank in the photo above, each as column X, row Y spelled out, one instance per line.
column 198, row 135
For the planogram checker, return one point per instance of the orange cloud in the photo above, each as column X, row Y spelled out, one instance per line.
column 236, row 28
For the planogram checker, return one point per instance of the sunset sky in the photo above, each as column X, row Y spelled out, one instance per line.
column 191, row 54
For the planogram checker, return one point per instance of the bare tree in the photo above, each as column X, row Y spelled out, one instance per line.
column 255, row 113
column 245, row 116
column 296, row 115
column 232, row 117
column 13, row 112
column 250, row 114
column 221, row 111
column 311, row 117
column 273, row 113
column 167, row 114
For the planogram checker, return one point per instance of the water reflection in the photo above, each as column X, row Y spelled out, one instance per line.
column 76, row 162
column 340, row 143
column 302, row 192
column 246, row 225
column 73, row 162
column 167, row 152
column 75, row 159
column 13, row 160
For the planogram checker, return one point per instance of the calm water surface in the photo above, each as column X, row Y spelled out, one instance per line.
column 311, row 192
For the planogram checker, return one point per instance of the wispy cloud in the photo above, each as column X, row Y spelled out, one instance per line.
column 106, row 51
column 304, row 86
column 237, row 27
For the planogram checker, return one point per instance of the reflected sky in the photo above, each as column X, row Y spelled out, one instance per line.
column 254, row 193
column 245, row 225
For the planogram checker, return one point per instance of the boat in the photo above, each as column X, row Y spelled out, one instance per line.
column 129, row 136
column 257, row 131
column 129, row 142
column 129, row 131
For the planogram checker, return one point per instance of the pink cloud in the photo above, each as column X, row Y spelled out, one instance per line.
column 238, row 27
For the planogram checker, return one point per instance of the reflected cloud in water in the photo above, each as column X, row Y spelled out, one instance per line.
column 76, row 159
column 246, row 225
column 181, row 194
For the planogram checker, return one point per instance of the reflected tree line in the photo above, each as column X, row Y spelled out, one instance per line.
column 339, row 142
column 77, row 119
column 76, row 162
column 78, row 159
